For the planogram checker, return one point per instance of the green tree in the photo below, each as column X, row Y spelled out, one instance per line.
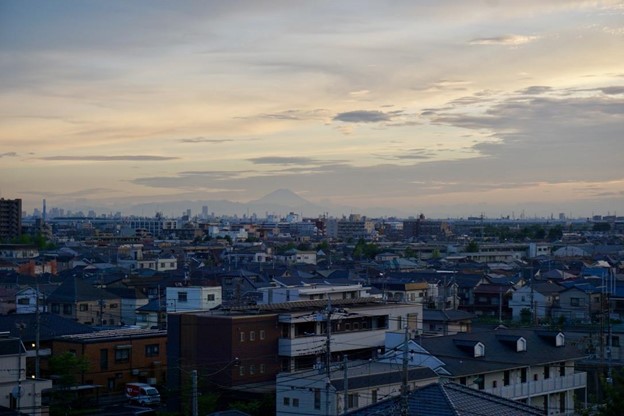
column 613, row 396
column 69, row 368
column 555, row 233
column 472, row 247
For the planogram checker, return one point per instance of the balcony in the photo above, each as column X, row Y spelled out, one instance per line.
column 540, row 387
column 340, row 341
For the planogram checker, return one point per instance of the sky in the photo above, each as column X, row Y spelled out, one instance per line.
column 451, row 108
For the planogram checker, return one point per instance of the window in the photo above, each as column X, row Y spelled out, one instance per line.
column 242, row 336
column 523, row 375
column 182, row 297
column 210, row 297
column 462, row 380
column 56, row 308
column 113, row 306
column 122, row 355
column 494, row 384
column 317, row 398
column 84, row 307
column 241, row 370
column 562, row 369
column 352, row 401
column 534, row 377
column 152, row 350
column 506, row 378
column 262, row 334
column 252, row 335
column 575, row 302
column 295, row 402
column 23, row 301
column 374, row 396
column 252, row 369
column 615, row 341
column 286, row 401
column 546, row 372
column 67, row 309
column 104, row 359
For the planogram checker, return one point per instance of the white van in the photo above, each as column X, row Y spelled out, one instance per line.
column 142, row 393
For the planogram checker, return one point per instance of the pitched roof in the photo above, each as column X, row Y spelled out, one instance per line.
column 51, row 326
column 450, row 399
column 499, row 355
column 74, row 289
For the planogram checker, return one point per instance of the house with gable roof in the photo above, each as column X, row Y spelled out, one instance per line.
column 532, row 366
column 85, row 303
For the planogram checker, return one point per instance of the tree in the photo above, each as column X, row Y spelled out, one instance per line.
column 614, row 396
column 472, row 247
column 69, row 368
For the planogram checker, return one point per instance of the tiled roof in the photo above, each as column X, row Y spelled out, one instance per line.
column 499, row 355
column 449, row 399
column 74, row 289
column 51, row 326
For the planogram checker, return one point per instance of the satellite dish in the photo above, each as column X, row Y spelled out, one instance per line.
column 17, row 392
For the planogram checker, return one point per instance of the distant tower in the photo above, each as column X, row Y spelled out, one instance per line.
column 43, row 216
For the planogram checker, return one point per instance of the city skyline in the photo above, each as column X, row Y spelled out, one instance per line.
column 451, row 109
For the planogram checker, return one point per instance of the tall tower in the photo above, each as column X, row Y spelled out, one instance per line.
column 43, row 215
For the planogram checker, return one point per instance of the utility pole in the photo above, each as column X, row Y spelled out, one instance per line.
column 194, row 398
column 328, row 313
column 37, row 332
column 346, row 385
column 532, row 307
column 500, row 304
column 404, row 384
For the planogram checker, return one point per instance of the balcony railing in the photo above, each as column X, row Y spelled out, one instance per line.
column 540, row 387
column 340, row 341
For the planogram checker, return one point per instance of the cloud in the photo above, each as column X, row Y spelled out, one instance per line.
column 95, row 158
column 513, row 40
column 317, row 114
column 8, row 154
column 203, row 140
column 362, row 116
column 614, row 90
column 280, row 160
column 535, row 90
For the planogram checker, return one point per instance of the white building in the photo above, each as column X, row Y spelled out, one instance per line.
column 16, row 391
column 193, row 298
column 362, row 383
column 26, row 301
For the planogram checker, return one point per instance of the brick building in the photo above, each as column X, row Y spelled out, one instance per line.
column 119, row 356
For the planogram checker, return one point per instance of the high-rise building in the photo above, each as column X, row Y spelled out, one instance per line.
column 10, row 218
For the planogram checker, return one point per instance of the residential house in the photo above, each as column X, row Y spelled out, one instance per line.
column 17, row 391
column 543, row 295
column 118, row 356
column 448, row 399
column 28, row 300
column 401, row 291
column 355, row 384
column 311, row 290
column 532, row 366
column 131, row 300
column 192, row 298
column 152, row 315
column 579, row 302
column 491, row 300
column 37, row 333
column 85, row 303
column 446, row 321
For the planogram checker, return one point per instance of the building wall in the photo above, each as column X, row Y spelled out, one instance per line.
column 145, row 360
column 10, row 219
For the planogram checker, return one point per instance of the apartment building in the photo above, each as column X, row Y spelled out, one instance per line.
column 10, row 219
